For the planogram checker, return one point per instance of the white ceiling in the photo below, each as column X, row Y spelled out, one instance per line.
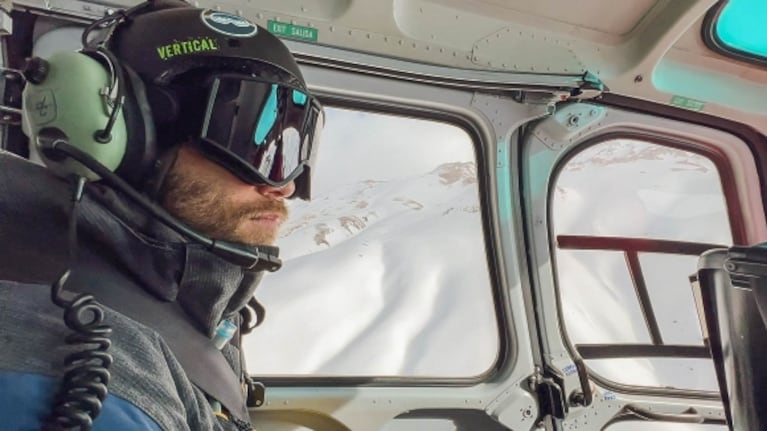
column 649, row 49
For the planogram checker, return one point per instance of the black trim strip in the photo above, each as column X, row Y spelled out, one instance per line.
column 643, row 295
column 570, row 82
column 609, row 351
column 638, row 245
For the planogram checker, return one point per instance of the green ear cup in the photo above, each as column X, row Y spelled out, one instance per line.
column 70, row 98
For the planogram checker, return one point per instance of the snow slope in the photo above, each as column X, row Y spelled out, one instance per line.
column 380, row 278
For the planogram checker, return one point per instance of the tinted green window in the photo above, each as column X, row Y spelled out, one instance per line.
column 740, row 26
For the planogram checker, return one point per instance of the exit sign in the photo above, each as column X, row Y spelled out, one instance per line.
column 293, row 31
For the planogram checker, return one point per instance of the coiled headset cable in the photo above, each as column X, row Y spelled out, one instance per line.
column 83, row 388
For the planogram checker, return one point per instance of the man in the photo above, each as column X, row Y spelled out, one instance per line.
column 235, row 134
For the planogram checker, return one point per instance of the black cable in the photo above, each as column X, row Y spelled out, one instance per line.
column 118, row 183
column 252, row 311
column 112, row 20
column 105, row 135
column 690, row 416
column 83, row 388
column 107, row 21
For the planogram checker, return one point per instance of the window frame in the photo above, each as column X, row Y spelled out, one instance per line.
column 506, row 351
column 735, row 217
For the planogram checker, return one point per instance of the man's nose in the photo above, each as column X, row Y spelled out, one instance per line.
column 277, row 193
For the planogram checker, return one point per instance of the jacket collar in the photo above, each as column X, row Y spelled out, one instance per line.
column 35, row 207
column 207, row 287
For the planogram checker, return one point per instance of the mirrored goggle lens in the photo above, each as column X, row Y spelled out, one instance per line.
column 269, row 128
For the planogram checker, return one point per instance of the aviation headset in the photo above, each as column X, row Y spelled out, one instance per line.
column 239, row 88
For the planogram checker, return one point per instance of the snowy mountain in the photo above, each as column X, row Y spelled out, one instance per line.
column 362, row 291
column 631, row 188
column 332, row 219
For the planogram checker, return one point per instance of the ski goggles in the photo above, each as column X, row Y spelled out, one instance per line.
column 264, row 132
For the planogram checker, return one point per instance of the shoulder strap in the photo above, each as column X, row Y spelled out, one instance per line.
column 205, row 365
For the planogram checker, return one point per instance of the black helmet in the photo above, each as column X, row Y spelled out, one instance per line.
column 230, row 84
column 170, row 37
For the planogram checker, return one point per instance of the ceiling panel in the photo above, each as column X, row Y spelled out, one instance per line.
column 599, row 15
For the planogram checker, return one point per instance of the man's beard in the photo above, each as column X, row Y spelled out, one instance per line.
column 206, row 208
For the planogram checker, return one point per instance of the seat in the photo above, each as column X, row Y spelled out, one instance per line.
column 733, row 285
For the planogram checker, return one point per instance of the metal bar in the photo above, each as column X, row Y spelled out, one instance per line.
column 690, row 416
column 642, row 245
column 609, row 351
column 307, row 53
column 10, row 110
column 635, row 269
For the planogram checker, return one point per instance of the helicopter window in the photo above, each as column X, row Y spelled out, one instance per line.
column 384, row 270
column 631, row 218
column 734, row 29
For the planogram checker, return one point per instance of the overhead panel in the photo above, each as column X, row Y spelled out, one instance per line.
column 324, row 10
column 520, row 49
column 512, row 35
column 458, row 21
column 433, row 21
column 604, row 16
column 496, row 35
